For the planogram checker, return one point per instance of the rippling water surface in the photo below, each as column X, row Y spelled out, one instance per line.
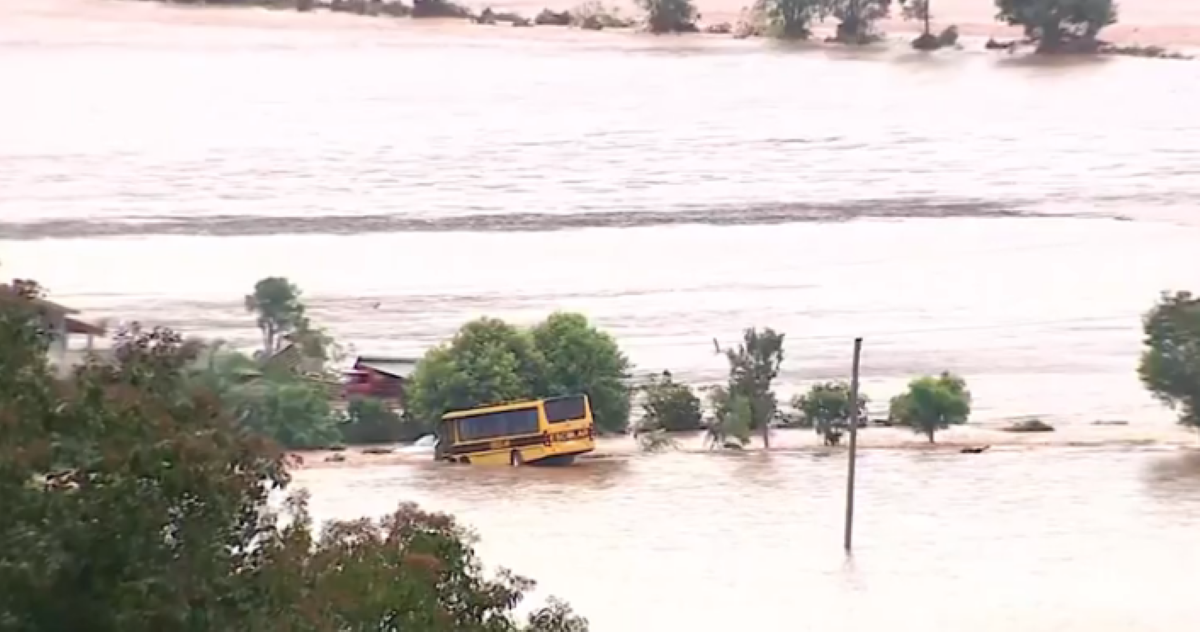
column 993, row 216
column 1046, row 541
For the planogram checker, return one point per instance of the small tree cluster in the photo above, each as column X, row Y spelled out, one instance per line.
column 370, row 420
column 282, row 318
column 490, row 361
column 748, row 400
column 669, row 16
column 827, row 409
column 670, row 406
column 1059, row 25
column 730, row 426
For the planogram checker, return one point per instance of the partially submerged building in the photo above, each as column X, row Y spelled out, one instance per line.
column 71, row 337
column 380, row 377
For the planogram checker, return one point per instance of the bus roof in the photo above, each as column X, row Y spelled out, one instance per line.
column 471, row 412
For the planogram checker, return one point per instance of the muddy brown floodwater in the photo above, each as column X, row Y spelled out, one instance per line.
column 1005, row 218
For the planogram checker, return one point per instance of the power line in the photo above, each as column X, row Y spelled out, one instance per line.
column 991, row 327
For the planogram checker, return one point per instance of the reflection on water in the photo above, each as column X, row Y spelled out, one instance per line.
column 1051, row 540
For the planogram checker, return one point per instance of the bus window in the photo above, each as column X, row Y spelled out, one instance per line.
column 500, row 424
column 563, row 409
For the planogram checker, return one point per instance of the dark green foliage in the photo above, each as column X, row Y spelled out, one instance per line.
column 670, row 406
column 791, row 19
column 276, row 303
column 134, row 502
column 857, row 18
column 370, row 420
column 826, row 408
column 582, row 359
column 932, row 404
column 669, row 16
column 489, row 362
column 1059, row 25
column 753, row 365
column 730, row 426
column 1170, row 364
column 294, row 412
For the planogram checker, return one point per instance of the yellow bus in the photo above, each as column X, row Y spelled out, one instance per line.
column 545, row 431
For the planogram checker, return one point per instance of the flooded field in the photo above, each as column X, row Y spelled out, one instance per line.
column 1005, row 218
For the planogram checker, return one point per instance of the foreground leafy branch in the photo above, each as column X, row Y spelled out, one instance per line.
column 135, row 502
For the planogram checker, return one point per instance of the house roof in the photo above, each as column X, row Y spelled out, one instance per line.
column 76, row 326
column 401, row 368
column 9, row 294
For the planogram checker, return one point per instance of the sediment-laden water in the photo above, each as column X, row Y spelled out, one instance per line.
column 1003, row 218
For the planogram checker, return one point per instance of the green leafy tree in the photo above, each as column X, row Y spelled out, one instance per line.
column 790, row 19
column 487, row 362
column 370, row 420
column 294, row 412
column 730, row 427
column 1170, row 364
column 932, row 404
column 670, row 406
column 826, row 408
column 276, row 303
column 580, row 358
column 857, row 18
column 1058, row 24
column 134, row 502
column 753, row 365
column 669, row 16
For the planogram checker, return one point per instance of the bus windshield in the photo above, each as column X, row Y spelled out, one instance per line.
column 564, row 409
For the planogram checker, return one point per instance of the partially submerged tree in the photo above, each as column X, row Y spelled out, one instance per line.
column 489, row 361
column 826, row 408
column 276, row 303
column 730, row 426
column 1059, row 25
column 918, row 10
column 932, row 403
column 670, row 406
column 753, row 365
column 790, row 19
column 579, row 358
column 134, row 501
column 927, row 41
column 1170, row 364
column 669, row 16
column 857, row 19
column 370, row 420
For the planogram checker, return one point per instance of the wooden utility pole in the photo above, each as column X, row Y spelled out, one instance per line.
column 849, row 534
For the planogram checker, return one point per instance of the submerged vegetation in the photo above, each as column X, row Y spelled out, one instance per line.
column 1049, row 26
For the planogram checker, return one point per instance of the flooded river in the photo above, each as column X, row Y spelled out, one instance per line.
column 1053, row 540
column 1006, row 219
